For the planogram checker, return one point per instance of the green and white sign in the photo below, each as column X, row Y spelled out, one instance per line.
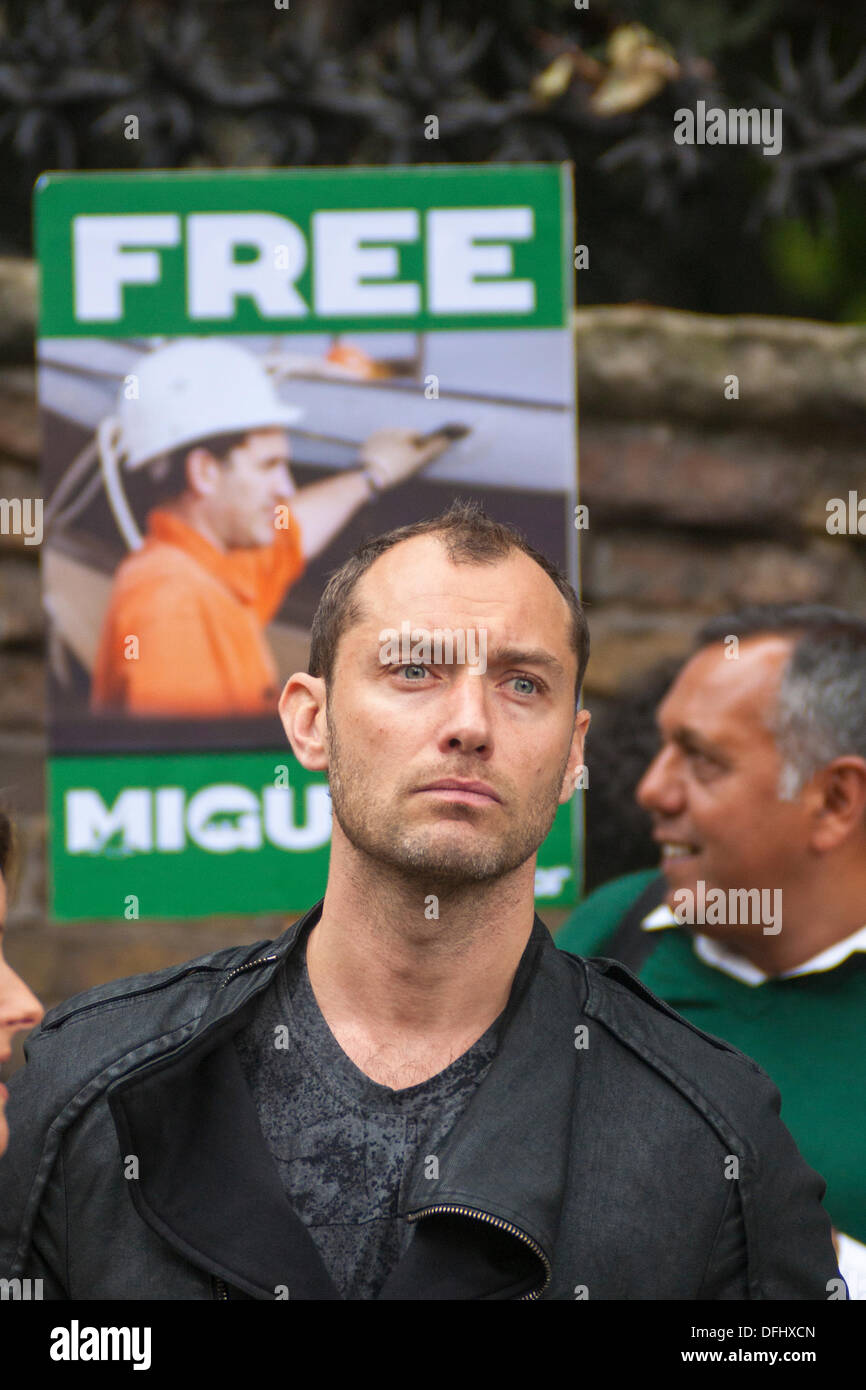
column 432, row 303
column 252, row 252
column 259, row 836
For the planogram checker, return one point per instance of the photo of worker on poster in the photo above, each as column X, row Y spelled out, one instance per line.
column 174, row 574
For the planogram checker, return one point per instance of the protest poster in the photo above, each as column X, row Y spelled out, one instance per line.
column 324, row 309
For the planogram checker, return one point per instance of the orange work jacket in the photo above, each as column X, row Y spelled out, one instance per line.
column 198, row 614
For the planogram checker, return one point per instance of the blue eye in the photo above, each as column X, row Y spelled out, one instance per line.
column 529, row 679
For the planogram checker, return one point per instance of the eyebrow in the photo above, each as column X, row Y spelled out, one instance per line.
column 524, row 656
column 691, row 741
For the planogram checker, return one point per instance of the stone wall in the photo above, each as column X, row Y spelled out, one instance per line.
column 697, row 503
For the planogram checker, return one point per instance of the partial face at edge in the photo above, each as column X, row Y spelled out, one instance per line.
column 19, row 1009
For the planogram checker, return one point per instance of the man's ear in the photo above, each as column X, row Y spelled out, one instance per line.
column 303, row 711
column 201, row 470
column 841, row 810
column 575, row 757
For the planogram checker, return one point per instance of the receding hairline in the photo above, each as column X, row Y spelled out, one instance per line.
column 359, row 612
column 788, row 639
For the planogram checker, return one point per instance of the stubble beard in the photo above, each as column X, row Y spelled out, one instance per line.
column 377, row 828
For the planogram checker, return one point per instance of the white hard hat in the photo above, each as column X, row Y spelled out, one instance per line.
column 194, row 388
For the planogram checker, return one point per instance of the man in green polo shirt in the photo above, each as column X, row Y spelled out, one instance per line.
column 756, row 928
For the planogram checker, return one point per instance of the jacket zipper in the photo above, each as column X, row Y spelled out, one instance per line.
column 250, row 965
column 222, row 1292
column 502, row 1226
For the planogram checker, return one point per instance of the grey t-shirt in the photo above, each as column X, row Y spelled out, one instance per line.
column 345, row 1147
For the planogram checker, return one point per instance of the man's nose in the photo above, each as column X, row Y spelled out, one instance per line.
column 467, row 722
column 19, row 1007
column 284, row 483
column 661, row 788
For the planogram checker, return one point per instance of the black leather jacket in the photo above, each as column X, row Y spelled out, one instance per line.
column 613, row 1151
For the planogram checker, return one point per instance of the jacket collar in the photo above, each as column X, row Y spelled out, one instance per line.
column 486, row 1225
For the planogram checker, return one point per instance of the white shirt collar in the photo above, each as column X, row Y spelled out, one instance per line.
column 732, row 963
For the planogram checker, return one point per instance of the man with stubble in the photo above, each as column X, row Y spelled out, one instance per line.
column 413, row 1094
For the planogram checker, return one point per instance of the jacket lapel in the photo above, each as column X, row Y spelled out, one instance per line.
column 207, row 1183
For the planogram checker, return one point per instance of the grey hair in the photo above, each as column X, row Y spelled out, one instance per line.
column 820, row 712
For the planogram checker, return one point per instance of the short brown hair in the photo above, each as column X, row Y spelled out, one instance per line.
column 470, row 537
column 169, row 470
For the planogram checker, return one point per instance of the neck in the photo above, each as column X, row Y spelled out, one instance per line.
column 384, row 967
column 189, row 510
